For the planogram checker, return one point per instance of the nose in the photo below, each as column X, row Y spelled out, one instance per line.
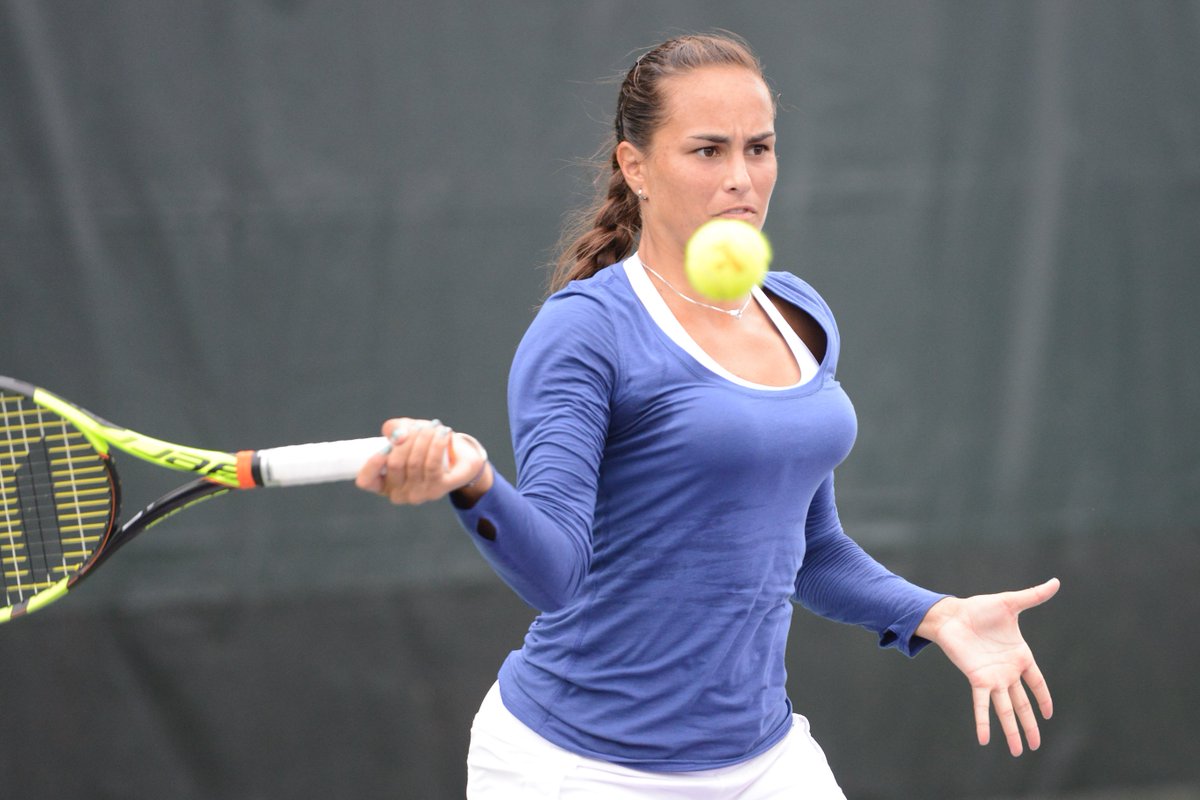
column 737, row 178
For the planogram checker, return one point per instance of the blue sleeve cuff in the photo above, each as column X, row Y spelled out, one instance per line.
column 902, row 634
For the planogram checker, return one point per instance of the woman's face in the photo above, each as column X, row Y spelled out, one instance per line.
column 713, row 156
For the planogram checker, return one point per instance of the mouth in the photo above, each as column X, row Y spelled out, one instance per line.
column 739, row 212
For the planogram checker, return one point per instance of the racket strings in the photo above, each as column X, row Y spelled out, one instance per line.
column 56, row 498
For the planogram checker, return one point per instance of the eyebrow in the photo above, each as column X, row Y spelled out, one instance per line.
column 716, row 138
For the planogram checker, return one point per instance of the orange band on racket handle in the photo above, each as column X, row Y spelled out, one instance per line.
column 245, row 469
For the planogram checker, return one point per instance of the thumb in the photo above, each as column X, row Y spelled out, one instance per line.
column 1036, row 595
column 466, row 457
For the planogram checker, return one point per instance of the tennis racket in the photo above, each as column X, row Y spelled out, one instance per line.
column 60, row 496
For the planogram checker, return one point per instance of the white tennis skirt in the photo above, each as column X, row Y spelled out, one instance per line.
column 507, row 760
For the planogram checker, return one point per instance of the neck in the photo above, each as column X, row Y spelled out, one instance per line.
column 666, row 289
column 667, row 262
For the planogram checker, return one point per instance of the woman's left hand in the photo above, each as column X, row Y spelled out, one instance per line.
column 980, row 636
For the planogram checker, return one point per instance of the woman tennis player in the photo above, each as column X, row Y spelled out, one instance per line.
column 675, row 493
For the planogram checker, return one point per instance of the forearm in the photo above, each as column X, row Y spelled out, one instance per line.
column 840, row 581
column 542, row 553
column 843, row 583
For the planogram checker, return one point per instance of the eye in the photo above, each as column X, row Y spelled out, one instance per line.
column 708, row 152
column 760, row 149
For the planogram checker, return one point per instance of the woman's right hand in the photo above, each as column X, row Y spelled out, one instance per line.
column 426, row 461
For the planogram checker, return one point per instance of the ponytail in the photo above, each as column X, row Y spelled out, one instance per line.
column 599, row 235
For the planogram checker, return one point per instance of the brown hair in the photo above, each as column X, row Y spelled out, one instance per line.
column 604, row 232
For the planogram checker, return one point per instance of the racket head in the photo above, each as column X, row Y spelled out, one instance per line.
column 59, row 502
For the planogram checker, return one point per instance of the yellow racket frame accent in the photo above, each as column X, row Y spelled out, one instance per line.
column 44, row 597
column 216, row 466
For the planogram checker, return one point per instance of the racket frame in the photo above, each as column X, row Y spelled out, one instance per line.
column 219, row 472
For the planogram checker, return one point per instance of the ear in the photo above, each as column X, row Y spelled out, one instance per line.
column 633, row 166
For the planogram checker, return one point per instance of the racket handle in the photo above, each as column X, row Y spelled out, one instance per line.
column 321, row 462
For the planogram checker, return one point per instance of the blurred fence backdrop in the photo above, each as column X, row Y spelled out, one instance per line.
column 251, row 222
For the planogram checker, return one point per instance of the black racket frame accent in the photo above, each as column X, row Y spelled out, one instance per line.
column 169, row 504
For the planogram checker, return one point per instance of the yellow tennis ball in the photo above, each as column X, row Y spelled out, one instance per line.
column 725, row 257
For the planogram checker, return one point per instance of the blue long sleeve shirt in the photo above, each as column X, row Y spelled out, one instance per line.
column 664, row 521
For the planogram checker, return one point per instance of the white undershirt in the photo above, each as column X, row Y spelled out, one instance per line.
column 662, row 316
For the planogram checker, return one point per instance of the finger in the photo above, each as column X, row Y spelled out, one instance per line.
column 404, row 465
column 417, row 442
column 1036, row 595
column 1041, row 690
column 435, row 457
column 983, row 724
column 396, row 468
column 1008, row 720
column 371, row 477
column 396, row 428
column 400, row 494
column 1024, row 711
column 391, row 472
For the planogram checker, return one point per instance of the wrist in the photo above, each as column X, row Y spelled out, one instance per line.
column 469, row 494
column 937, row 616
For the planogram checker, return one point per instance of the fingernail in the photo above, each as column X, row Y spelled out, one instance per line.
column 443, row 432
column 387, row 448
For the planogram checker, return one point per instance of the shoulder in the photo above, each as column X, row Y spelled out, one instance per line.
column 607, row 289
column 582, row 318
column 800, row 293
column 595, row 303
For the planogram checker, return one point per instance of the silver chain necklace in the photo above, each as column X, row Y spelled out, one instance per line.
column 736, row 313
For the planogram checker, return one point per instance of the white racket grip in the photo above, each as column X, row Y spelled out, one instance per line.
column 320, row 462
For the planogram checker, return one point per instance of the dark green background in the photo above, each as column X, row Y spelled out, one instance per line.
column 251, row 223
